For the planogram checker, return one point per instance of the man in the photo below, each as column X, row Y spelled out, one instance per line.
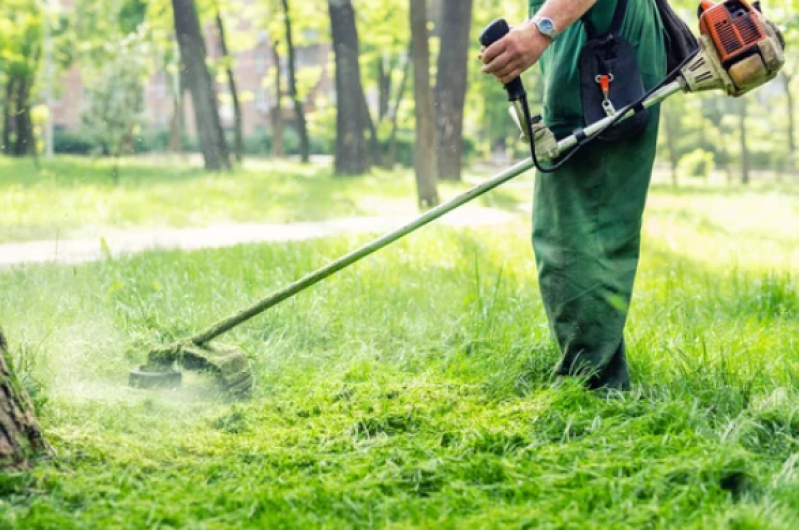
column 587, row 215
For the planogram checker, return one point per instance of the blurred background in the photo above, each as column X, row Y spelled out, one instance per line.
column 112, row 79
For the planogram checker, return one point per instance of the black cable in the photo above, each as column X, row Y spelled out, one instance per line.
column 671, row 76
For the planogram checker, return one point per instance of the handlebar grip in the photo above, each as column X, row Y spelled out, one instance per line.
column 495, row 31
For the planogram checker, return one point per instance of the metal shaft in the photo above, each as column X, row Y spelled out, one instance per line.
column 356, row 255
column 662, row 94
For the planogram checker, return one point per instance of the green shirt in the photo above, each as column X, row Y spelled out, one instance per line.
column 560, row 62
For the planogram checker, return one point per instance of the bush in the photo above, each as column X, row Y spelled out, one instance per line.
column 698, row 163
column 73, row 143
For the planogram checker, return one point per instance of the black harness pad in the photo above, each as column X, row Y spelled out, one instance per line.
column 611, row 55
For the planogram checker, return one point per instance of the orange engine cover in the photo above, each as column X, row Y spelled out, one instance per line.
column 734, row 26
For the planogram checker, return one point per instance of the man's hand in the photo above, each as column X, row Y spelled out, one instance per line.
column 520, row 49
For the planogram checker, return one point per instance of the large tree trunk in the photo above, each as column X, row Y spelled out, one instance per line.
column 451, row 86
column 424, row 152
column 744, row 147
column 299, row 112
column 206, row 111
column 20, row 436
column 234, row 93
column 276, row 113
column 352, row 156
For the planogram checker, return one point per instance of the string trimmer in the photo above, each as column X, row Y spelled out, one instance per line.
column 739, row 50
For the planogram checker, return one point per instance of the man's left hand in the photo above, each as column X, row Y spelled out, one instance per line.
column 520, row 49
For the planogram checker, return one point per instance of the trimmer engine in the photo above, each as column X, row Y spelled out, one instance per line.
column 739, row 49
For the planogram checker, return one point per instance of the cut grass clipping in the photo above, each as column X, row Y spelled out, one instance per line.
column 412, row 391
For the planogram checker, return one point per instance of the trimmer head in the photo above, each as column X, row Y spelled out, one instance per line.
column 229, row 364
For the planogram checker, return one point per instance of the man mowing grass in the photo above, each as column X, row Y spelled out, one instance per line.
column 587, row 220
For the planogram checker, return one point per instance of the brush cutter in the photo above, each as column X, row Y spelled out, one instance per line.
column 739, row 50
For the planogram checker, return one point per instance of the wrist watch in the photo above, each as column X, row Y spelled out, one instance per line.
column 545, row 26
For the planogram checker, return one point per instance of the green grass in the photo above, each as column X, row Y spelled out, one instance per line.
column 73, row 196
column 413, row 389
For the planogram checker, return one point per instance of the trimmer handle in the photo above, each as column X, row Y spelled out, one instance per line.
column 491, row 34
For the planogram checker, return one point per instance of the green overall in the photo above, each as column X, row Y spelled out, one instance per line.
column 587, row 215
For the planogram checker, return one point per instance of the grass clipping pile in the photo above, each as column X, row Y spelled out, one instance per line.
column 227, row 363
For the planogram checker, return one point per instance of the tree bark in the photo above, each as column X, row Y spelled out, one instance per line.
column 424, row 152
column 352, row 154
column 744, row 147
column 299, row 112
column 238, row 148
column 206, row 110
column 276, row 113
column 20, row 435
column 451, row 86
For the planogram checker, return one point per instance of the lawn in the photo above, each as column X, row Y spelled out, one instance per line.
column 412, row 391
column 73, row 196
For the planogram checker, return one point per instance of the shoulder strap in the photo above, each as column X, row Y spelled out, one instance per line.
column 615, row 25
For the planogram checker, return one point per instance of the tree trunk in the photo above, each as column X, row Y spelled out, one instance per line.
column 424, row 152
column 451, row 86
column 175, row 140
column 8, row 112
column 374, row 142
column 276, row 113
column 177, row 123
column 299, row 112
column 234, row 93
column 744, row 147
column 20, row 436
column 206, row 111
column 791, row 162
column 384, row 72
column 352, row 155
column 670, row 121
column 391, row 157
column 25, row 143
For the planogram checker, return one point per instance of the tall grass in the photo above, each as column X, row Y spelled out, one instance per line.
column 413, row 390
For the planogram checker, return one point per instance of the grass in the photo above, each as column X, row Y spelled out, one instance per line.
column 412, row 391
column 72, row 196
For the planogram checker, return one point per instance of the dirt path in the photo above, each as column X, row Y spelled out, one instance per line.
column 119, row 243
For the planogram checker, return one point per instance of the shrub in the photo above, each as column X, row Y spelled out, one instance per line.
column 698, row 163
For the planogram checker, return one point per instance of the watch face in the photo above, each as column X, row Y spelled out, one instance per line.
column 546, row 26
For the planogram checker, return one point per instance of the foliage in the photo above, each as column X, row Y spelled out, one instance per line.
column 115, row 93
column 697, row 163
column 413, row 390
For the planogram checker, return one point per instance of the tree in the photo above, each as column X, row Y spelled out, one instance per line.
column 276, row 112
column 391, row 158
column 742, row 136
column 231, row 83
column 116, row 97
column 206, row 110
column 671, row 125
column 21, row 27
column 352, row 156
column 299, row 111
column 424, row 151
column 451, row 85
column 20, row 435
